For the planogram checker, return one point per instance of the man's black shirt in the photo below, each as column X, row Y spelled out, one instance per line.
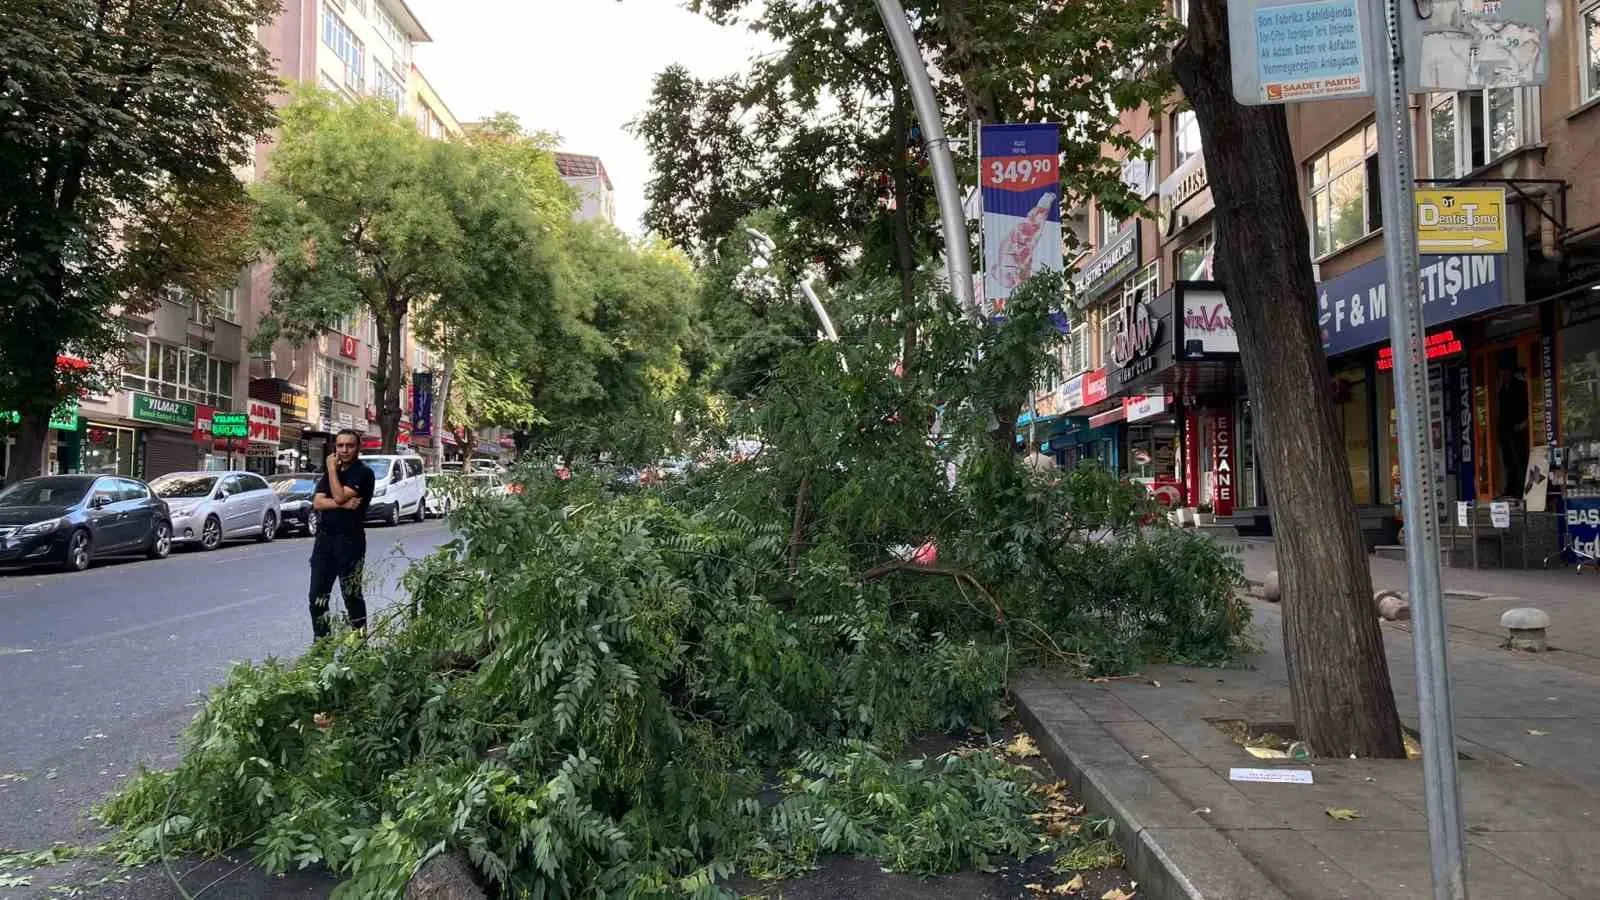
column 347, row 522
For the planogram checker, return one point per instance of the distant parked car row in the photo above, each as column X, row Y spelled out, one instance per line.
column 71, row 520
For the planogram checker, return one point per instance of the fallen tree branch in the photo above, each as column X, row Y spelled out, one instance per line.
column 960, row 576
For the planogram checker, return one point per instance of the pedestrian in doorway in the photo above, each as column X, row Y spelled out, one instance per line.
column 339, row 551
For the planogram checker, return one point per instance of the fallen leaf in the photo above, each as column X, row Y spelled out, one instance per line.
column 1266, row 753
column 1035, row 887
column 1115, row 894
column 1340, row 814
column 1073, row 886
column 1023, row 746
column 1537, row 733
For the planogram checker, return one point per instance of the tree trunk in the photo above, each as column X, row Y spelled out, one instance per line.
column 390, row 381
column 905, row 253
column 1338, row 675
column 441, row 408
column 28, row 453
column 966, row 61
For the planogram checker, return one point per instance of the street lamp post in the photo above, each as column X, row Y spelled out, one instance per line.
column 766, row 248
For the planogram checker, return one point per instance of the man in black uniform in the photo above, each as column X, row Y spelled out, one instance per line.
column 340, row 548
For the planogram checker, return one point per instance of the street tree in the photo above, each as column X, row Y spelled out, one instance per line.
column 1338, row 675
column 125, row 122
column 362, row 214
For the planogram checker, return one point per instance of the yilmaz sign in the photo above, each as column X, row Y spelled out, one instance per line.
column 1353, row 309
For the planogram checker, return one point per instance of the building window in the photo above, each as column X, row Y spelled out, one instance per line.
column 346, row 46
column 1195, row 260
column 1470, row 129
column 1345, row 204
column 386, row 85
column 178, row 373
column 1077, row 355
column 1109, row 226
column 1185, row 137
column 1589, row 39
column 340, row 381
column 1180, row 11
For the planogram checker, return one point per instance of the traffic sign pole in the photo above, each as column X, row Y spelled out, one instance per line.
column 1420, row 490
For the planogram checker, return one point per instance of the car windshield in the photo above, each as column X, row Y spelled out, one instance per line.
column 54, row 491
column 181, row 487
column 285, row 486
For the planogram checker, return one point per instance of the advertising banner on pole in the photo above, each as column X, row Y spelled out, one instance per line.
column 422, row 404
column 1019, row 173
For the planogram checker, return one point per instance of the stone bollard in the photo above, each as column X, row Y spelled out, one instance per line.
column 1391, row 606
column 1270, row 589
column 1526, row 626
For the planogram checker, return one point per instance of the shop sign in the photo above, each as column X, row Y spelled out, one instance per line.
column 1583, row 525
column 63, row 418
column 1207, row 323
column 294, row 401
column 1142, row 346
column 162, row 411
column 1185, row 196
column 1095, row 388
column 347, row 346
column 346, row 420
column 202, row 423
column 1106, row 269
column 1044, row 405
column 230, row 425
column 1437, row 346
column 1547, row 372
column 266, row 423
column 1145, row 406
column 1069, row 396
column 1353, row 309
column 1222, row 463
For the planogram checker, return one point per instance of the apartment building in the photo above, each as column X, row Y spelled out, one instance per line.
column 1153, row 386
column 597, row 198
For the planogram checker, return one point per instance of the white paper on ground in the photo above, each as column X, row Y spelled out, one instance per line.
column 1277, row 776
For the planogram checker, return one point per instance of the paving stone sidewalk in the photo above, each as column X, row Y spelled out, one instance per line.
column 1145, row 751
column 1473, row 612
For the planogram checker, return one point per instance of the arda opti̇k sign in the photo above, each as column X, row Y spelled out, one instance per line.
column 1020, row 176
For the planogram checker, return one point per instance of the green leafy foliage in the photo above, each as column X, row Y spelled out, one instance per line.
column 603, row 693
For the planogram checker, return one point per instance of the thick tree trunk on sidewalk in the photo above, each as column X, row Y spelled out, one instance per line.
column 1338, row 676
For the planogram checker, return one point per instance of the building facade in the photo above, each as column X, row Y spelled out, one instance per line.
column 597, row 199
column 1152, row 386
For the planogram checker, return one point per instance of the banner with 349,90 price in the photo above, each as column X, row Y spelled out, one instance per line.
column 1020, row 176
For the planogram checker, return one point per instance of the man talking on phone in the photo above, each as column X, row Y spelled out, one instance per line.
column 340, row 548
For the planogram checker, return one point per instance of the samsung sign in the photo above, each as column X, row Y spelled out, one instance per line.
column 1353, row 309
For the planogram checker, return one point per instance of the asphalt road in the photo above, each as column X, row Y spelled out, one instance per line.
column 101, row 670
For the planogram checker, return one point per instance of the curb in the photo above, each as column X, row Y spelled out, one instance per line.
column 1173, row 854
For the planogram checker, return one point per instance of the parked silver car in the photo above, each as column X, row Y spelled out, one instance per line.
column 211, row 507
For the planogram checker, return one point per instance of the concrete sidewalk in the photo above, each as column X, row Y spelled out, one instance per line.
column 1145, row 751
column 1476, row 598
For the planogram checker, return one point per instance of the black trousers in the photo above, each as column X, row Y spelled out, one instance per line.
column 337, row 557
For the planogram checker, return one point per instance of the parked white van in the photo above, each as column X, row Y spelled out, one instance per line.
column 398, row 489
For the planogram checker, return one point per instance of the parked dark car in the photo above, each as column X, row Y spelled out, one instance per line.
column 627, row 479
column 71, row 520
column 294, row 501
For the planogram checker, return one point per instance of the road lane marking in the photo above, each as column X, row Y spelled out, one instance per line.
column 162, row 623
column 14, row 651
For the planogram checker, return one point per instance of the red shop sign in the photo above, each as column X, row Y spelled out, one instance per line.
column 347, row 346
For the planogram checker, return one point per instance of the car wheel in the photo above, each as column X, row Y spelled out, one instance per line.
column 78, row 553
column 269, row 527
column 160, row 542
column 393, row 518
column 311, row 523
column 421, row 514
column 211, row 534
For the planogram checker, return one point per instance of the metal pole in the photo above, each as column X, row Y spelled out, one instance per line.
column 957, row 256
column 1406, row 333
column 819, row 309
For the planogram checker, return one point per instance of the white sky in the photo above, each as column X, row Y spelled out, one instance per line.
column 579, row 68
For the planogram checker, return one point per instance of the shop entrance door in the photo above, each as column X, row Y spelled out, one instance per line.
column 1506, row 386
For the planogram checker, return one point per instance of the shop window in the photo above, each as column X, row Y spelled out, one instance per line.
column 179, row 373
column 1345, row 203
column 1471, row 129
column 1507, row 416
column 1353, row 410
column 1580, row 405
column 1109, row 226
